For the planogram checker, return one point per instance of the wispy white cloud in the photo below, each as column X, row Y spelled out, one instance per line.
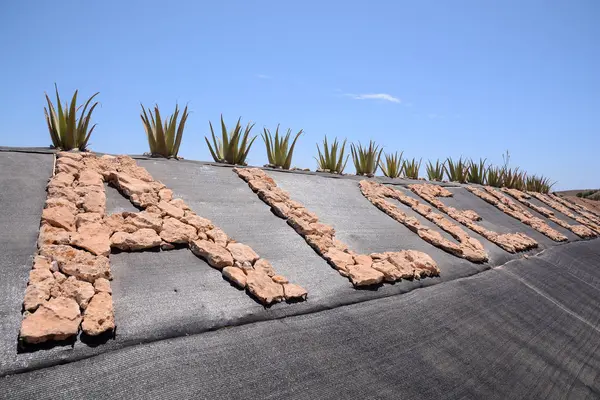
column 263, row 76
column 374, row 96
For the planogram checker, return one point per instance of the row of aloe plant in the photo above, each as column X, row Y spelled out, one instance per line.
column 70, row 131
column 482, row 173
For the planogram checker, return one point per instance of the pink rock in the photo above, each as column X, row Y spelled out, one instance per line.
column 263, row 288
column 42, row 279
column 52, row 235
column 216, row 256
column 60, row 201
column 201, row 224
column 93, row 201
column 99, row 315
column 264, row 267
column 87, row 218
column 423, row 263
column 78, row 263
column 170, row 210
column 242, row 253
column 291, row 291
column 165, row 195
column 339, row 259
column 89, row 177
column 41, row 262
column 139, row 240
column 175, row 231
column 179, row 203
column 60, row 217
column 235, row 275
column 389, row 271
column 75, row 289
column 34, row 297
column 61, row 179
column 145, row 219
column 102, row 285
column 130, row 185
column 94, row 237
column 63, row 193
column 55, row 319
column 218, row 236
column 364, row 276
column 145, row 200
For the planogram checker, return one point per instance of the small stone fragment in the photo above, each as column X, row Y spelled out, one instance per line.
column 201, row 224
column 94, row 237
column 77, row 290
column 364, row 276
column 99, row 315
column 389, row 271
column 265, row 267
column 242, row 253
column 291, row 291
column 78, row 263
column 339, row 259
column 145, row 219
column 216, row 256
column 175, row 231
column 165, row 194
column 60, row 217
column 102, row 285
column 218, row 236
column 263, row 288
column 139, row 240
column 170, row 210
column 41, row 262
column 235, row 275
column 55, row 319
column 41, row 278
column 34, row 297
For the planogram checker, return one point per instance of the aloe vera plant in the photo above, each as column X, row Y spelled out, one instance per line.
column 493, row 177
column 366, row 159
column 540, row 184
column 279, row 151
column 392, row 167
column 332, row 157
column 513, row 179
column 164, row 138
column 233, row 147
column 67, row 130
column 410, row 168
column 435, row 172
column 457, row 171
column 477, row 172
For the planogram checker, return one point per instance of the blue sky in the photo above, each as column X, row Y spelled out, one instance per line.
column 430, row 78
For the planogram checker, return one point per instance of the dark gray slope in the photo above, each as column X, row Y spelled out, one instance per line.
column 23, row 179
column 490, row 336
column 528, row 329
